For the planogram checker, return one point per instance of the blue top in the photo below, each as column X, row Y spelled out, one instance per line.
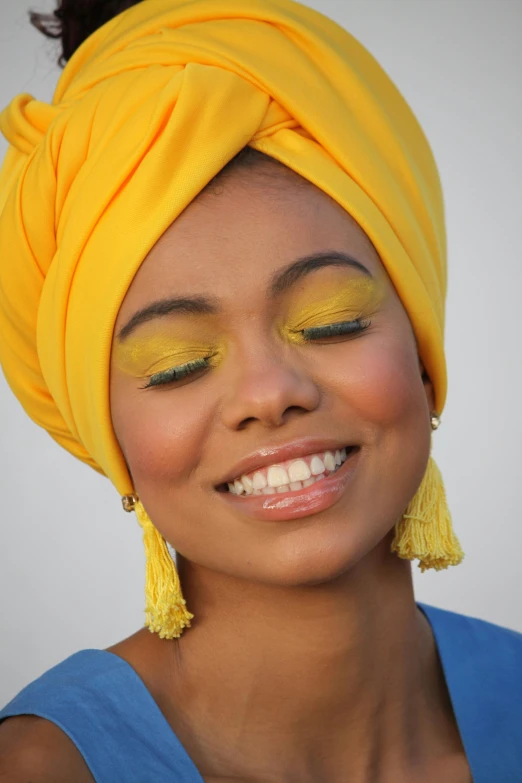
column 100, row 702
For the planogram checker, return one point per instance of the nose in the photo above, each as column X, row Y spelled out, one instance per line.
column 269, row 387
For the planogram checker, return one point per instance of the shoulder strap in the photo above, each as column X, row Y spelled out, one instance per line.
column 102, row 704
column 482, row 664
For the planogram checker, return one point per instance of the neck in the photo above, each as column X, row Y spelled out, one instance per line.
column 307, row 679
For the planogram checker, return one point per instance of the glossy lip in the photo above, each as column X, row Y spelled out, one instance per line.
column 287, row 506
column 273, row 455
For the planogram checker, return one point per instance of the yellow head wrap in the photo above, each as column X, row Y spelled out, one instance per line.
column 145, row 113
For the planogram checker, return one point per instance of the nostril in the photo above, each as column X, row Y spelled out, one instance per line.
column 245, row 423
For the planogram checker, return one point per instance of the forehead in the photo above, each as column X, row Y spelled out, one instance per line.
column 232, row 239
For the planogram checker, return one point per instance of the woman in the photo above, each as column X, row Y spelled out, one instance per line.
column 223, row 278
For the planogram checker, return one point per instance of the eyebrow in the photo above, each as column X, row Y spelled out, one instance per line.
column 281, row 282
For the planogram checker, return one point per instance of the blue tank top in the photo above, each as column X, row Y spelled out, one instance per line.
column 100, row 702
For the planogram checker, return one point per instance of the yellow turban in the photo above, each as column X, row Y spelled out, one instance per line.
column 146, row 112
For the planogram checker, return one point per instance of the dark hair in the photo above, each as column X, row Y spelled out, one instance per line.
column 74, row 21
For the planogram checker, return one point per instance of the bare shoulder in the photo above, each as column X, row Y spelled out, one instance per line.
column 36, row 750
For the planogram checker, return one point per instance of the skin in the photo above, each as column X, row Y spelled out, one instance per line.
column 307, row 659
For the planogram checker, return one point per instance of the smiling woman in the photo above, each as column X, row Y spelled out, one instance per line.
column 232, row 305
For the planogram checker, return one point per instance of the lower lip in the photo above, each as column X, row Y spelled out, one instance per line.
column 285, row 506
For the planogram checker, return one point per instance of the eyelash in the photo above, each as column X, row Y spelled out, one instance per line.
column 177, row 373
column 341, row 329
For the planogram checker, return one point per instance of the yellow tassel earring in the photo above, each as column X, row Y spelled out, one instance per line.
column 165, row 608
column 425, row 531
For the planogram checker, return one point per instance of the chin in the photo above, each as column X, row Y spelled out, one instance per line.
column 306, row 564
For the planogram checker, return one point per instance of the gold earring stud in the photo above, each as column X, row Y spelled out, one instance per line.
column 435, row 421
column 128, row 502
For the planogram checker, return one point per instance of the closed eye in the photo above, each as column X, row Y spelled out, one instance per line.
column 174, row 374
column 312, row 334
column 341, row 329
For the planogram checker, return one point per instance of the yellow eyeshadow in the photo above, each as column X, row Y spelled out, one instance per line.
column 325, row 305
column 141, row 356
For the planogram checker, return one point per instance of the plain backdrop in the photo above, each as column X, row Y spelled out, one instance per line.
column 71, row 561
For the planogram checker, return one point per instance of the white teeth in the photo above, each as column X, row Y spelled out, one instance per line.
column 329, row 460
column 298, row 470
column 247, row 484
column 277, row 476
column 258, row 481
column 298, row 474
column 316, row 466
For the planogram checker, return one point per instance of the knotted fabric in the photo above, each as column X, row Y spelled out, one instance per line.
column 145, row 114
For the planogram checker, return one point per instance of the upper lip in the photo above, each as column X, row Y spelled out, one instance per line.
column 271, row 455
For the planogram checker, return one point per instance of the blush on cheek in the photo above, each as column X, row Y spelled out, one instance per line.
column 381, row 381
column 162, row 442
column 390, row 388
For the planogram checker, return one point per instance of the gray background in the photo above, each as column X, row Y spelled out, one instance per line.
column 71, row 561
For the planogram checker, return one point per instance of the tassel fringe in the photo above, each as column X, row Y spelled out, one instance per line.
column 425, row 533
column 165, row 608
column 425, row 530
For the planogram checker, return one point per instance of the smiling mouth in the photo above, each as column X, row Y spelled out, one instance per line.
column 289, row 476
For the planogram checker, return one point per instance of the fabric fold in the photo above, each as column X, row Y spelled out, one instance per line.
column 145, row 114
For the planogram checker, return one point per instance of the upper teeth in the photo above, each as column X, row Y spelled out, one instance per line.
column 288, row 476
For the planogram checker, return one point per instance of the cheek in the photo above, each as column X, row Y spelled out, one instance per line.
column 161, row 433
column 380, row 379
